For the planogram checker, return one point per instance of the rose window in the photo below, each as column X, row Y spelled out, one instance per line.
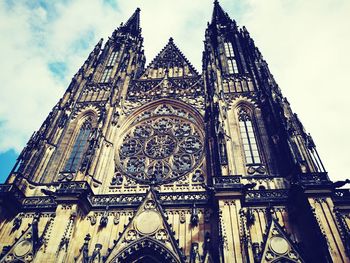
column 160, row 146
column 161, row 149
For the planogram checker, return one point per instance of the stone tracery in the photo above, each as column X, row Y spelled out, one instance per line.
column 161, row 147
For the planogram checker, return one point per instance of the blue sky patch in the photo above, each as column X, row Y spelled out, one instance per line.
column 84, row 41
column 8, row 160
column 58, row 69
column 111, row 3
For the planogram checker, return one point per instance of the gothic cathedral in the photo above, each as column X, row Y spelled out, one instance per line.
column 161, row 163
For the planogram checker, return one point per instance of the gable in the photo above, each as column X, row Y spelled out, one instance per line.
column 171, row 61
column 278, row 246
column 148, row 232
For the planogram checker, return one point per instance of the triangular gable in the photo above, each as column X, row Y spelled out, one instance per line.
column 278, row 246
column 25, row 247
column 170, row 56
column 148, row 230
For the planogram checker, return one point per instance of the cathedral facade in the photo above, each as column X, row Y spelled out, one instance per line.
column 161, row 163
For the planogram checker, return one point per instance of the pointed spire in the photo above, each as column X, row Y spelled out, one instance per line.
column 133, row 24
column 219, row 15
column 98, row 46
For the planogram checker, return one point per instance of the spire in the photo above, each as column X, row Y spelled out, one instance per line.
column 219, row 15
column 133, row 24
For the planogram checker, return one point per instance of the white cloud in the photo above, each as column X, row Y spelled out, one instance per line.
column 305, row 42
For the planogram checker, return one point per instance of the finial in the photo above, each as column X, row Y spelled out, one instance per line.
column 171, row 39
column 138, row 9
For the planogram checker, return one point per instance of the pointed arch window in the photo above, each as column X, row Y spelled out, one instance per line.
column 231, row 58
column 112, row 59
column 106, row 76
column 79, row 148
column 250, row 146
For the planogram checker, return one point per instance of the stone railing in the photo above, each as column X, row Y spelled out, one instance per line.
column 267, row 196
column 314, row 178
column 342, row 195
column 227, row 182
column 73, row 187
column 41, row 203
column 120, row 200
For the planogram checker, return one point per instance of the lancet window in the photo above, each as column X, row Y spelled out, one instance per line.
column 106, row 76
column 250, row 146
column 112, row 59
column 79, row 147
column 231, row 59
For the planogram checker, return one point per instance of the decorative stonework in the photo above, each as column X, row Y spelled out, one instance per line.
column 147, row 226
column 278, row 246
column 161, row 174
column 162, row 148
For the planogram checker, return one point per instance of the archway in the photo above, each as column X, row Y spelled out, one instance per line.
column 146, row 250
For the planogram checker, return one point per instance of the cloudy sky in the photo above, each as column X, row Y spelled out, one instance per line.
column 306, row 43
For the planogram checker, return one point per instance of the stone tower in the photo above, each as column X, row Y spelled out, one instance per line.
column 166, row 164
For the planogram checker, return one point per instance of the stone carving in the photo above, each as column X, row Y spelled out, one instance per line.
column 17, row 222
column 116, row 219
column 194, row 216
column 160, row 150
column 194, row 255
column 93, row 219
column 182, row 217
column 104, row 218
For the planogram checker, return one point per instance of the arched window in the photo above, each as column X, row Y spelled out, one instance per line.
column 79, row 148
column 250, row 146
column 107, row 73
column 231, row 58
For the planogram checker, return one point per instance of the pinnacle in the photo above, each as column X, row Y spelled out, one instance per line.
column 219, row 15
column 133, row 23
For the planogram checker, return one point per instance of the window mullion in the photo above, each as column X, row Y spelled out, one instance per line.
column 249, row 141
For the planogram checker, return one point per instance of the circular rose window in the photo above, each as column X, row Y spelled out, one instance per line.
column 160, row 149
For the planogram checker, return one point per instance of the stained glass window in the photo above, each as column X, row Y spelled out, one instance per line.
column 106, row 75
column 250, row 146
column 79, row 148
column 230, row 55
column 112, row 59
column 161, row 148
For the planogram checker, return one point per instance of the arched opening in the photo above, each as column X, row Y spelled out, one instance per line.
column 146, row 250
column 79, row 147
